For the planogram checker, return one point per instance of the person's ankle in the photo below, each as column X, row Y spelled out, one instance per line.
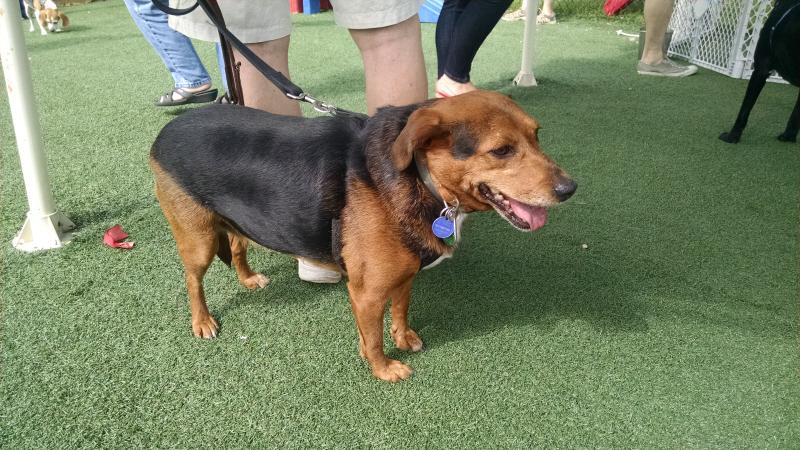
column 651, row 58
column 199, row 88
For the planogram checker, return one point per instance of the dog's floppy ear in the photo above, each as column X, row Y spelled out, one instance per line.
column 64, row 19
column 422, row 126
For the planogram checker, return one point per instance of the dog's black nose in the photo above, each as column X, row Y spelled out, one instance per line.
column 564, row 188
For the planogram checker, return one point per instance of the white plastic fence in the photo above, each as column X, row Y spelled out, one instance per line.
column 720, row 35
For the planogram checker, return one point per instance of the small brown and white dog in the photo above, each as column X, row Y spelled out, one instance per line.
column 47, row 14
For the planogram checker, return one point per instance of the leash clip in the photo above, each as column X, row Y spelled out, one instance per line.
column 450, row 211
column 445, row 227
column 319, row 105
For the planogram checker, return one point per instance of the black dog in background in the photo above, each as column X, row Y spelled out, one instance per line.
column 778, row 49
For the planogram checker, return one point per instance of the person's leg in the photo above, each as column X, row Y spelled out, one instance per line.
column 394, row 66
column 474, row 25
column 259, row 92
column 654, row 62
column 221, row 65
column 547, row 15
column 445, row 28
column 174, row 49
column 547, row 8
column 656, row 19
column 394, row 70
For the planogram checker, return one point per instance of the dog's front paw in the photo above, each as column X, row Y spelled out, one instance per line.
column 407, row 340
column 392, row 371
column 255, row 281
column 205, row 327
column 730, row 138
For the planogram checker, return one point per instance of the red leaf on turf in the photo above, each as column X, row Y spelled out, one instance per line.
column 114, row 236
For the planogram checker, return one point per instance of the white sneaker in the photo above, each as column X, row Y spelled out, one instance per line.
column 308, row 271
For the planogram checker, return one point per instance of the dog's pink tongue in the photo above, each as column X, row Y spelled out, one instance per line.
column 534, row 216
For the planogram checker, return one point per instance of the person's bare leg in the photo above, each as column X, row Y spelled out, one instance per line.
column 259, row 92
column 547, row 8
column 656, row 20
column 394, row 67
column 654, row 62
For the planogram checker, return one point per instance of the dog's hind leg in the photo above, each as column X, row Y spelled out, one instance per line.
column 790, row 135
column 757, row 81
column 196, row 232
column 197, row 242
column 248, row 278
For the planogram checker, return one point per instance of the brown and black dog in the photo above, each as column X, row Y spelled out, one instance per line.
column 348, row 191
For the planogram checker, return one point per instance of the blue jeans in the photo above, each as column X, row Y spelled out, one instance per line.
column 175, row 49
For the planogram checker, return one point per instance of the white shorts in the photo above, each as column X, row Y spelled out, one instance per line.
column 265, row 20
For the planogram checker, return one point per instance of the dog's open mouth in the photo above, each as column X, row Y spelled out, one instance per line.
column 521, row 215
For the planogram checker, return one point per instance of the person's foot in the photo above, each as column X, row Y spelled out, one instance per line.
column 307, row 270
column 447, row 87
column 666, row 68
column 182, row 96
column 546, row 19
column 514, row 15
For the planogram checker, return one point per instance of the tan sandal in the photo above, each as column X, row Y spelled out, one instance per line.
column 546, row 19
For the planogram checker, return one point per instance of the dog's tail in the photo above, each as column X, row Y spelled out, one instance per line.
column 64, row 20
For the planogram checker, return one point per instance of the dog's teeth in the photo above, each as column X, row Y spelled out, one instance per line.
column 506, row 203
column 498, row 197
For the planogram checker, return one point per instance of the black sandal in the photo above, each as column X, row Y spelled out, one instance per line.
column 209, row 95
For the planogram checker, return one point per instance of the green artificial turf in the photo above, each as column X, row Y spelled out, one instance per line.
column 676, row 327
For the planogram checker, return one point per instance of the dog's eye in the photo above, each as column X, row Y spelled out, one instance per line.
column 503, row 152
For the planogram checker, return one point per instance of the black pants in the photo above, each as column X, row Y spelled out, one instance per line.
column 462, row 27
column 22, row 10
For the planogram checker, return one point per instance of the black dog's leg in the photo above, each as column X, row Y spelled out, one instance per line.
column 790, row 135
column 757, row 81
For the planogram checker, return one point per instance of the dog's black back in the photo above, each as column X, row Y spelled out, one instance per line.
column 778, row 49
column 281, row 177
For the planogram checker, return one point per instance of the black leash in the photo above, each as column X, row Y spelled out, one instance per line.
column 291, row 90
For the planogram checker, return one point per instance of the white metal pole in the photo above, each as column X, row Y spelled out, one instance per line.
column 525, row 76
column 44, row 227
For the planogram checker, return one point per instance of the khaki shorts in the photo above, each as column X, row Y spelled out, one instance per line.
column 266, row 20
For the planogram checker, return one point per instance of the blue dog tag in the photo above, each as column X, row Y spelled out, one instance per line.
column 443, row 227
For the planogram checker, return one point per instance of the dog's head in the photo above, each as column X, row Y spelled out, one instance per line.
column 51, row 16
column 483, row 150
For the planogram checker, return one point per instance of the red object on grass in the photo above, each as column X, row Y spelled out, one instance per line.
column 613, row 7
column 114, row 236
